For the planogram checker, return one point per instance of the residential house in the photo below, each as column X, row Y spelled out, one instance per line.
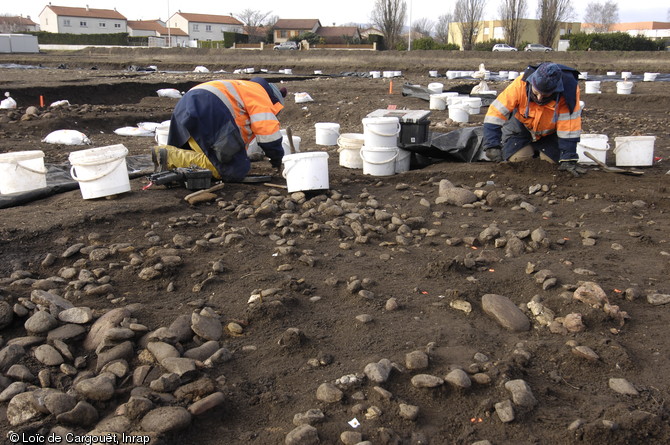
column 158, row 34
column 494, row 30
column 67, row 20
column 285, row 29
column 650, row 30
column 205, row 26
column 339, row 34
column 10, row 24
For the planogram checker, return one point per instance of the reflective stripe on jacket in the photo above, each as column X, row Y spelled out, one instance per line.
column 250, row 106
column 540, row 120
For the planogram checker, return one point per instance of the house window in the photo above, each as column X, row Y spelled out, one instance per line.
column 196, row 28
column 117, row 25
column 282, row 33
column 102, row 24
column 66, row 22
column 208, row 28
column 83, row 24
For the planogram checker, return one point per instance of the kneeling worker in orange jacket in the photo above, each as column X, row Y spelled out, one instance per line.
column 213, row 123
column 538, row 114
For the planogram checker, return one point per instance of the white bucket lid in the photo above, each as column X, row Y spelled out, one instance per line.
column 305, row 155
column 21, row 155
column 92, row 156
column 381, row 120
column 328, row 125
column 353, row 136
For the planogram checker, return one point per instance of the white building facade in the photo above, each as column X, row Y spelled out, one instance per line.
column 67, row 20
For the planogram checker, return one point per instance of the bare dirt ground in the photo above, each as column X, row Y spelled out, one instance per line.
column 343, row 285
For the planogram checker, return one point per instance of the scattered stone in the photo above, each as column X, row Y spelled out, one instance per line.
column 96, row 388
column 585, row 352
column 48, row 355
column 166, row 419
column 591, row 294
column 10, row 355
column 309, row 417
column 426, row 381
column 22, row 408
column 623, row 386
column 76, row 315
column 505, row 411
column 458, row 378
column 378, row 372
column 329, row 393
column 206, row 326
column 40, row 322
column 6, row 314
column 505, row 312
column 521, row 393
column 658, row 299
column 302, row 435
column 416, row 360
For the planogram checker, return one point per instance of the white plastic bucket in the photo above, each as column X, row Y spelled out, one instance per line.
column 511, row 75
column 503, row 74
column 381, row 131
column 459, row 113
column 432, row 73
column 624, row 87
column 349, row 147
column 611, row 73
column 376, row 74
column 474, row 104
column 435, row 87
column 379, row 161
column 306, row 171
column 21, row 171
column 387, row 74
column 437, row 102
column 397, row 73
column 626, row 75
column 402, row 161
column 327, row 133
column 452, row 74
column 100, row 171
column 592, row 87
column 634, row 151
column 596, row 144
column 287, row 146
column 288, row 70
column 583, row 75
column 161, row 136
column 650, row 77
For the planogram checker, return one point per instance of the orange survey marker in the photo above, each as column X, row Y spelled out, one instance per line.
column 391, row 87
column 41, row 101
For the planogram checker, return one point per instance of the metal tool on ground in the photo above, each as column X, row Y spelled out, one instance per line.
column 608, row 169
column 191, row 178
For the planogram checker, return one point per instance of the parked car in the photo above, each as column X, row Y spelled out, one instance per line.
column 286, row 45
column 503, row 47
column 537, row 47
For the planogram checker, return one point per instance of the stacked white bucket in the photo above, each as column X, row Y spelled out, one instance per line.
column 380, row 152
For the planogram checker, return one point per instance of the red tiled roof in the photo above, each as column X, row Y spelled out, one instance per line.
column 208, row 18
column 337, row 31
column 86, row 12
column 23, row 21
column 297, row 24
column 152, row 25
column 639, row 26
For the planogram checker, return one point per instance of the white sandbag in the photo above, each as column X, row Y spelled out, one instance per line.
column 133, row 131
column 8, row 103
column 302, row 98
column 59, row 103
column 169, row 92
column 149, row 126
column 66, row 137
column 201, row 69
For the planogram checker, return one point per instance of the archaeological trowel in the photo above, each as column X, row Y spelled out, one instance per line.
column 608, row 169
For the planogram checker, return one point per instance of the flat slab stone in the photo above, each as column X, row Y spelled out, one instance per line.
column 505, row 312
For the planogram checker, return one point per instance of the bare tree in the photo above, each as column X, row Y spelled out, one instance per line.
column 601, row 15
column 468, row 14
column 388, row 16
column 442, row 28
column 423, row 26
column 550, row 14
column 255, row 22
column 511, row 14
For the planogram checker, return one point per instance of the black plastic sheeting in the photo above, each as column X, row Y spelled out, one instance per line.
column 462, row 145
column 59, row 180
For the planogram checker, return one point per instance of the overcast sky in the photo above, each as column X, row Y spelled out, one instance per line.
column 328, row 12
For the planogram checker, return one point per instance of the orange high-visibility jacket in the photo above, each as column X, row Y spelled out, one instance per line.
column 540, row 120
column 223, row 116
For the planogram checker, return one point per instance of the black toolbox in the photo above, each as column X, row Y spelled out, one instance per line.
column 413, row 125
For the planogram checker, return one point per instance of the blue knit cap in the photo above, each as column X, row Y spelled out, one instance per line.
column 547, row 78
